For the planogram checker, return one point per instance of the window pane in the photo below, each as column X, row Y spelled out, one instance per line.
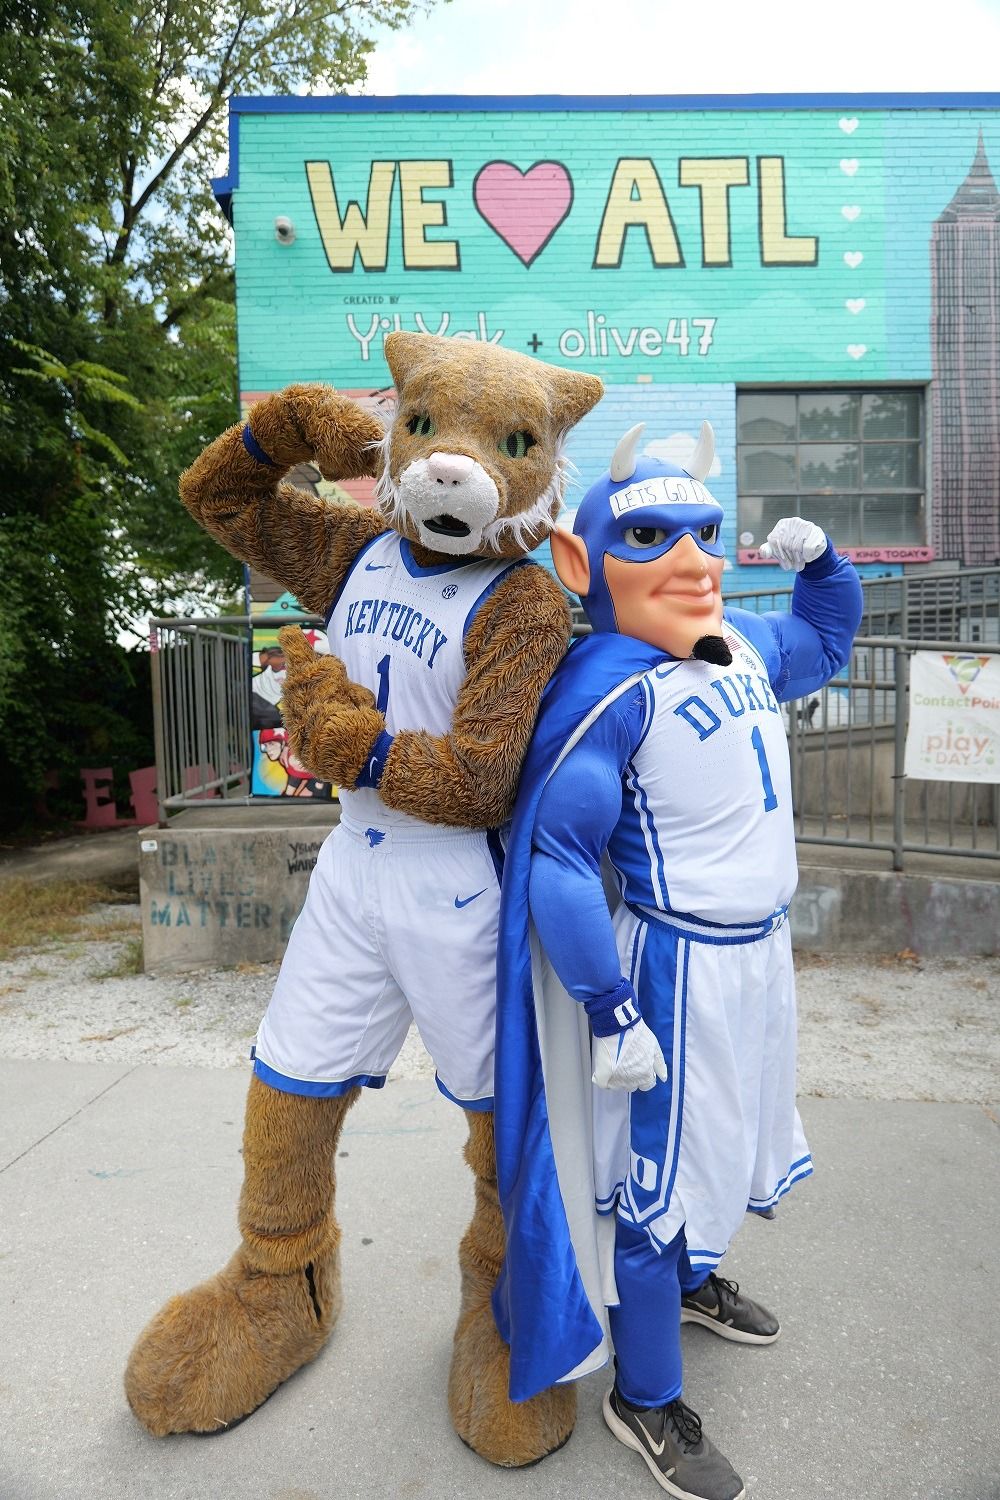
column 891, row 414
column 759, row 514
column 894, row 521
column 829, row 466
column 827, row 416
column 767, row 469
column 839, row 516
column 765, row 419
column 891, row 466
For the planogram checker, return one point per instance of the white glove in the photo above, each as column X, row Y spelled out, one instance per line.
column 629, row 1059
column 794, row 542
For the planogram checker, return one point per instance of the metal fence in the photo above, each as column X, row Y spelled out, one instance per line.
column 846, row 742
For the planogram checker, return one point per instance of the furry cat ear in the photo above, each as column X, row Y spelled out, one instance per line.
column 574, row 394
column 401, row 351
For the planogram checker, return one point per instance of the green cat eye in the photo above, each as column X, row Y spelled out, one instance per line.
column 516, row 444
column 421, row 425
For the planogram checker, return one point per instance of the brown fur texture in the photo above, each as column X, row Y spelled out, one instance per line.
column 506, row 1433
column 475, row 394
column 213, row 1354
column 468, row 777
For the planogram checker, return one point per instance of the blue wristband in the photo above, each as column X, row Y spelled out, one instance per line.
column 613, row 1011
column 371, row 775
column 254, row 449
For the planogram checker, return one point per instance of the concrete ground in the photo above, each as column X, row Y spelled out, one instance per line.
column 118, row 1182
column 118, row 1186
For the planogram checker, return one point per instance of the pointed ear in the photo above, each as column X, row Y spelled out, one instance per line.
column 402, row 352
column 570, row 560
column 574, row 394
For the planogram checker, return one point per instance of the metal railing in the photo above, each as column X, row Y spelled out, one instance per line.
column 846, row 743
column 847, row 749
column 201, row 709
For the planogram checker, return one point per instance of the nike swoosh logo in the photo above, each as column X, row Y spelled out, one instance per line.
column 372, row 768
column 377, row 567
column 656, row 1448
column 459, row 904
column 710, row 1312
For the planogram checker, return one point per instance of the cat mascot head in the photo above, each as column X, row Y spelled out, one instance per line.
column 473, row 463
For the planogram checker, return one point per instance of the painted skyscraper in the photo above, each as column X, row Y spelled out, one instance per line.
column 965, row 336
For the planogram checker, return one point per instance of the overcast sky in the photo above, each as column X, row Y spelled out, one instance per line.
column 705, row 46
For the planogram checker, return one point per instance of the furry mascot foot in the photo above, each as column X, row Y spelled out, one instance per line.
column 212, row 1355
column 512, row 1434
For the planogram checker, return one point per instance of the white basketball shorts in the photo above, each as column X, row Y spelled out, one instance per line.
column 399, row 925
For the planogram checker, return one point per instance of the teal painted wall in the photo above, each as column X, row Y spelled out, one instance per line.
column 861, row 191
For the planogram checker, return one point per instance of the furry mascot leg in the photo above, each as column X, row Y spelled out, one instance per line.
column 508, row 1433
column 211, row 1355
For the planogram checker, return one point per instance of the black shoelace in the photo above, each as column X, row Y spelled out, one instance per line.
column 685, row 1422
column 720, row 1285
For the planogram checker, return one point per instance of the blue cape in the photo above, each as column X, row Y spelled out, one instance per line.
column 541, row 1303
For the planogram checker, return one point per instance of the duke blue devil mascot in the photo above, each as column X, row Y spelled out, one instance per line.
column 660, row 751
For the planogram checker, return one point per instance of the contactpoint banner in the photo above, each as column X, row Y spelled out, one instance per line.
column 954, row 726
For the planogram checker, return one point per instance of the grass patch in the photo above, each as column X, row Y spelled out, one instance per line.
column 39, row 912
column 128, row 962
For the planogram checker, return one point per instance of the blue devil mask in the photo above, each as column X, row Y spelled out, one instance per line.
column 640, row 509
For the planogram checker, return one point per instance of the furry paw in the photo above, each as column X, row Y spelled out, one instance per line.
column 212, row 1355
column 332, row 722
column 509, row 1433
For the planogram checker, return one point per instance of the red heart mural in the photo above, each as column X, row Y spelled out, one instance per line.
column 524, row 208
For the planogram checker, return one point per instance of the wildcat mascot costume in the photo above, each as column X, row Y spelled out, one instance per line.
column 443, row 638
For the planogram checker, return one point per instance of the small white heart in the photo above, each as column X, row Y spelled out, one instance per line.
column 855, row 304
column 851, row 211
column 848, row 126
column 850, row 165
column 857, row 351
column 853, row 258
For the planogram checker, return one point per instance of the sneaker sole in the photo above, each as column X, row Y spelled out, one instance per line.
column 625, row 1435
column 688, row 1315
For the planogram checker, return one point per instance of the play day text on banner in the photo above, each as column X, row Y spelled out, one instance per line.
column 954, row 726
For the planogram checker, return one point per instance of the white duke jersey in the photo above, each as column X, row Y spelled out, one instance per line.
column 400, row 630
column 706, row 826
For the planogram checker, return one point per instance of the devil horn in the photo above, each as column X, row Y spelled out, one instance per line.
column 623, row 458
column 703, row 456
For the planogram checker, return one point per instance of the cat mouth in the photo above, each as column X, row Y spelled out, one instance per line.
column 445, row 525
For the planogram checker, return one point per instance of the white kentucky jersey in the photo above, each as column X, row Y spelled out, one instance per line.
column 706, row 827
column 400, row 631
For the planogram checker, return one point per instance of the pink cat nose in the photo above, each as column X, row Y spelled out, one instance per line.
column 449, row 468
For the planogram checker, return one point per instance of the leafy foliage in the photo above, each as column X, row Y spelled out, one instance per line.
column 117, row 330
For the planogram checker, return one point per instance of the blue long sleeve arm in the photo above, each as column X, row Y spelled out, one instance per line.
column 814, row 641
column 577, row 814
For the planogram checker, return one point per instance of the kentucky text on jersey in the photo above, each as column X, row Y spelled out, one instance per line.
column 401, row 621
column 736, row 691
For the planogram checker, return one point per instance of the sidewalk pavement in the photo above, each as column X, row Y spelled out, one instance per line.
column 118, row 1186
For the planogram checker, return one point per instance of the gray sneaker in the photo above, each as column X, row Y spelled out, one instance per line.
column 720, row 1306
column 680, row 1458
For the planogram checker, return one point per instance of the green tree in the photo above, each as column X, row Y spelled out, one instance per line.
column 117, row 330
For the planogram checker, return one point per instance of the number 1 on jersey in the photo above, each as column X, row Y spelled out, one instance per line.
column 757, row 741
column 382, row 702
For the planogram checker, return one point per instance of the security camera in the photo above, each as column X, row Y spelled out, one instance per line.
column 284, row 230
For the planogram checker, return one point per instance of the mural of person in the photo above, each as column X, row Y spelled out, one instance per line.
column 299, row 782
column 266, row 688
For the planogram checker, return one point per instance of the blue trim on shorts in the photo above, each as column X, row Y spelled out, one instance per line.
column 796, row 1173
column 478, row 1106
column 315, row 1090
